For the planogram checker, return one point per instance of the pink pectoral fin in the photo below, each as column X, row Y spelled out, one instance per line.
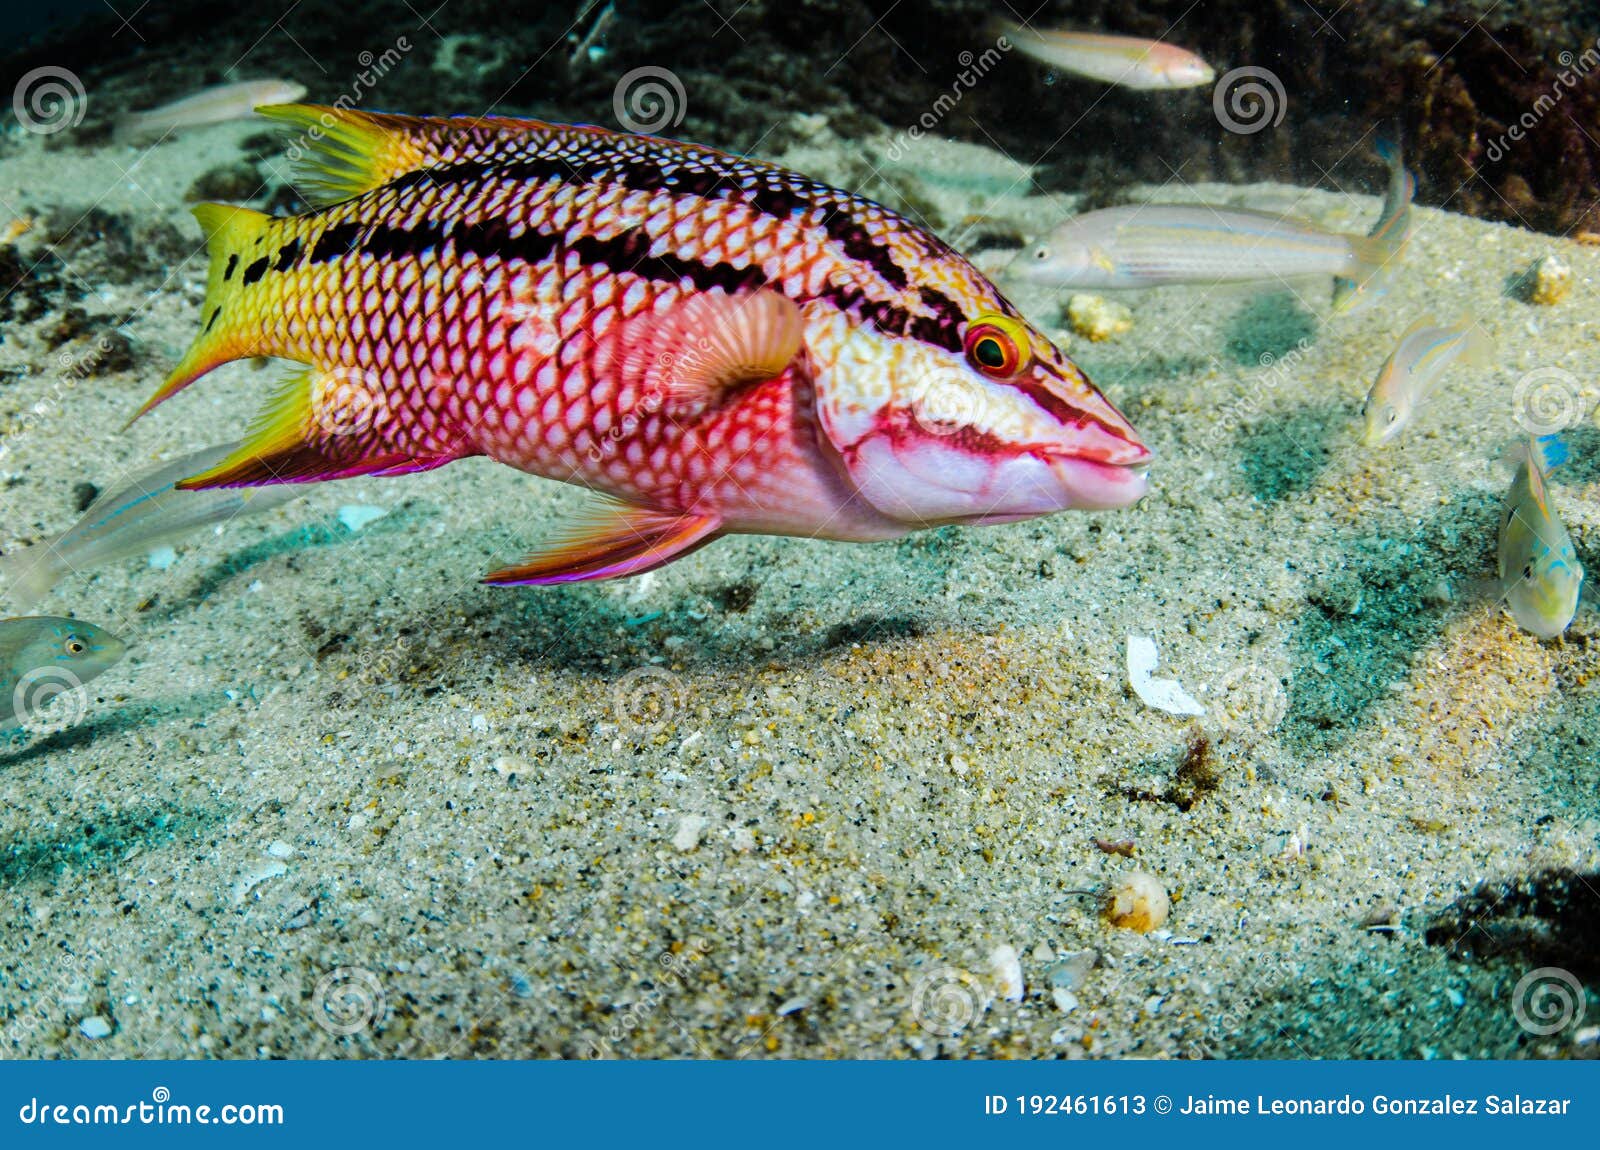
column 629, row 541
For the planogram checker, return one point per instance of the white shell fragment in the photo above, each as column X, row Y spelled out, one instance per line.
column 1006, row 969
column 1163, row 694
column 355, row 516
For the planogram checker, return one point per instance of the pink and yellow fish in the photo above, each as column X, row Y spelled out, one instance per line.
column 1126, row 61
column 717, row 345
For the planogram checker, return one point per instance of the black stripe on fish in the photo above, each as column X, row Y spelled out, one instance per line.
column 336, row 241
column 773, row 196
column 255, row 271
column 287, row 255
column 628, row 251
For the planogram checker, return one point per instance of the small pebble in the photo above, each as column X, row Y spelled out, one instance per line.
column 1137, row 901
column 1098, row 319
column 96, row 1027
column 690, row 829
column 1006, row 968
column 1549, row 281
column 162, row 557
column 355, row 516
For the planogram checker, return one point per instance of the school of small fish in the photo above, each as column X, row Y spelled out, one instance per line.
column 709, row 344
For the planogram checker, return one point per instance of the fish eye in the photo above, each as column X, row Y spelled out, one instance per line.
column 74, row 645
column 1041, row 253
column 994, row 346
column 1527, row 572
column 1392, row 415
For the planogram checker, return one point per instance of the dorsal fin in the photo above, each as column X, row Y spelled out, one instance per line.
column 341, row 152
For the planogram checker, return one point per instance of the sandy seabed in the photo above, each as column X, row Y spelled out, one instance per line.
column 803, row 799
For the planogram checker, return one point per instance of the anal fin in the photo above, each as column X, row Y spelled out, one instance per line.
column 318, row 426
column 621, row 541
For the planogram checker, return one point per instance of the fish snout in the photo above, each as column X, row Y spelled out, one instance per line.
column 1088, row 485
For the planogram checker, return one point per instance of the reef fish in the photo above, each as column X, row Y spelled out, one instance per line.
column 1540, row 576
column 1152, row 245
column 717, row 344
column 142, row 514
column 42, row 656
column 1126, row 61
column 212, row 106
column 1413, row 370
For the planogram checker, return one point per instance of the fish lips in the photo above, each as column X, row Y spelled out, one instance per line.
column 1090, row 485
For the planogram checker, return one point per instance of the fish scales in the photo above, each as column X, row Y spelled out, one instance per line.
column 482, row 289
column 442, row 276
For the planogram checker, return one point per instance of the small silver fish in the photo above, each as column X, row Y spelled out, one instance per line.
column 1540, row 576
column 1386, row 242
column 1413, row 370
column 1152, row 245
column 212, row 106
column 43, row 656
column 1126, row 61
column 143, row 514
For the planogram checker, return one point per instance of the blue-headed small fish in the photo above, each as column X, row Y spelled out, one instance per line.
column 43, row 656
column 132, row 520
column 1540, row 576
column 1413, row 370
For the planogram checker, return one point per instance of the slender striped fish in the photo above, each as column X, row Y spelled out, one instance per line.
column 132, row 520
column 1126, row 61
column 1413, row 371
column 1153, row 245
column 213, row 106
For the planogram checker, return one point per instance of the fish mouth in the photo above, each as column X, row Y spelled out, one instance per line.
column 1094, row 486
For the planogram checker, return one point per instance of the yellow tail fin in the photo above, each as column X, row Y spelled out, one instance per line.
column 230, row 233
